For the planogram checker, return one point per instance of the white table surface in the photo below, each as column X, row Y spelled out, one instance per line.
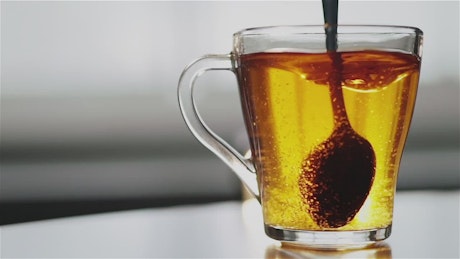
column 426, row 225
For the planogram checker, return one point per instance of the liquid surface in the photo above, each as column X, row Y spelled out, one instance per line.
column 286, row 97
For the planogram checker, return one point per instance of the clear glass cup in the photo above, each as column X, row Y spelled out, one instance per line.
column 326, row 129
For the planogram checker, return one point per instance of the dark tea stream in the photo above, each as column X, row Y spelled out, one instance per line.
column 336, row 178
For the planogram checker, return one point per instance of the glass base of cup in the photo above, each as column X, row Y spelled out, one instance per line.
column 330, row 240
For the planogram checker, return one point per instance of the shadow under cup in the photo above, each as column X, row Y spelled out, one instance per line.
column 326, row 129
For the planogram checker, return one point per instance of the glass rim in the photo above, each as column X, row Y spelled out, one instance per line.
column 319, row 29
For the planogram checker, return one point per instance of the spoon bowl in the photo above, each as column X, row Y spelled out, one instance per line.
column 336, row 178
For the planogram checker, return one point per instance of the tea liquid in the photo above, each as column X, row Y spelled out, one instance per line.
column 287, row 99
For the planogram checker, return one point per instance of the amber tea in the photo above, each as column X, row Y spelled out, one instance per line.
column 289, row 113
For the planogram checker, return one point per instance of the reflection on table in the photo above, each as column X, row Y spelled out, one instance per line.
column 380, row 250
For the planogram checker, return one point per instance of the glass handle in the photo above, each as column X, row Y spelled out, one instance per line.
column 243, row 167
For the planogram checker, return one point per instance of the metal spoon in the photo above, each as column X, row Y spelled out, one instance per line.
column 337, row 176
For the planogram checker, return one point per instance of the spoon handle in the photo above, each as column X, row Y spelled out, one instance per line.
column 335, row 88
column 330, row 11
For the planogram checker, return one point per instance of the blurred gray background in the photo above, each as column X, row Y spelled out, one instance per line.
column 90, row 118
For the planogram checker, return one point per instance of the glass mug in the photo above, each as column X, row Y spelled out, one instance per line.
column 326, row 129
